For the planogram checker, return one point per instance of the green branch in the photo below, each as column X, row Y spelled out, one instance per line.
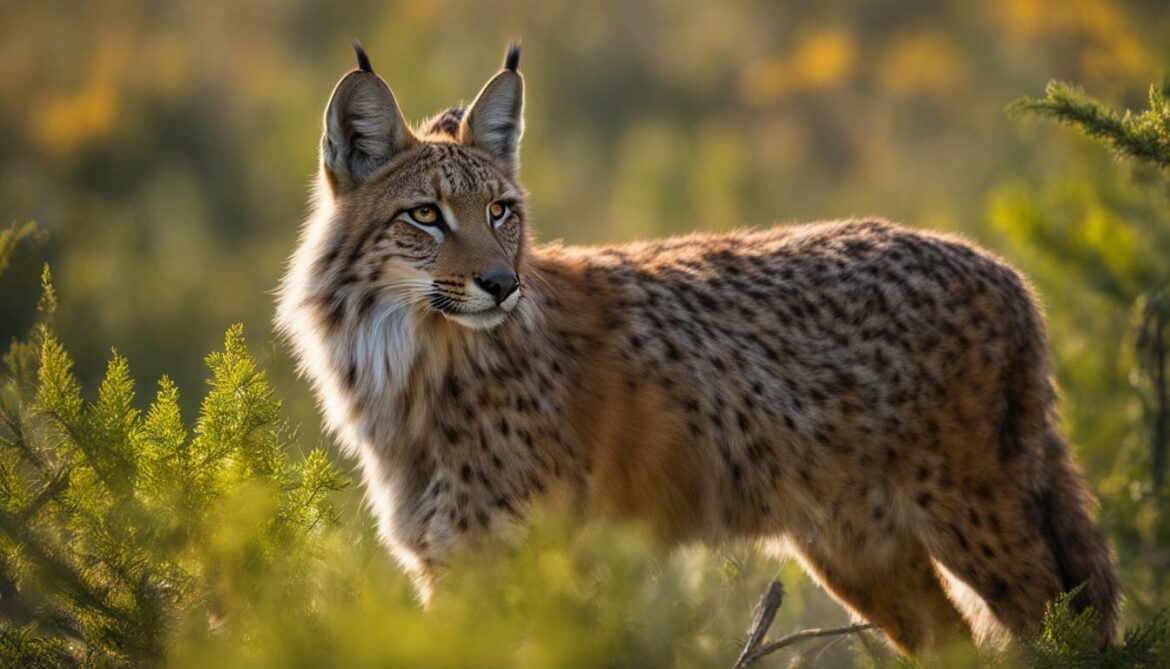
column 1143, row 136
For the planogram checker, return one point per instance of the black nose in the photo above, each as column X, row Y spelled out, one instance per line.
column 499, row 283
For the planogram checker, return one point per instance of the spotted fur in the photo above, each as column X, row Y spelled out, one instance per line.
column 874, row 399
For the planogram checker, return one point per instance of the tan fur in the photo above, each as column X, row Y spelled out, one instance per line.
column 877, row 397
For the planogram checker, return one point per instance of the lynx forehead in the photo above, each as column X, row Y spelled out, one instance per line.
column 874, row 399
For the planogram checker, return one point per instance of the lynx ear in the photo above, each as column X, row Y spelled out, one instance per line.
column 495, row 121
column 364, row 128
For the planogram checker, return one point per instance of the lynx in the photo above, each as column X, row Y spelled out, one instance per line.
column 873, row 399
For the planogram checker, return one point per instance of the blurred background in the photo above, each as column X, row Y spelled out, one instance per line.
column 166, row 150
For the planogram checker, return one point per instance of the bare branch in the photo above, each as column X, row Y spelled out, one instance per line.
column 805, row 635
column 765, row 612
column 762, row 619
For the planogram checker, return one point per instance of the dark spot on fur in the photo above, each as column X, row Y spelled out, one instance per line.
column 998, row 588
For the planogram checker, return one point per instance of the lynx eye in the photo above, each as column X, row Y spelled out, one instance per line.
column 425, row 215
column 498, row 213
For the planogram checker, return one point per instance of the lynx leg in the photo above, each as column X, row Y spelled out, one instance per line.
column 1001, row 552
column 899, row 592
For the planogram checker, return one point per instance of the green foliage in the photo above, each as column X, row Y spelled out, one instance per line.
column 1066, row 642
column 10, row 237
column 112, row 524
column 1144, row 136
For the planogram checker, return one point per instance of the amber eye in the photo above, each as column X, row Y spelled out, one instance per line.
column 498, row 213
column 426, row 214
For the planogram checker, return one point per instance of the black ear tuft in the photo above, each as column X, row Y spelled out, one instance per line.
column 362, row 58
column 512, row 60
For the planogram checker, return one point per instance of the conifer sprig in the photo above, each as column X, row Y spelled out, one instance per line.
column 1144, row 136
column 111, row 531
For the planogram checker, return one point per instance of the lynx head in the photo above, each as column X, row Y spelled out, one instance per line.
column 431, row 218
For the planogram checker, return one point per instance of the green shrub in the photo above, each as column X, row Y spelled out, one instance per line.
column 117, row 527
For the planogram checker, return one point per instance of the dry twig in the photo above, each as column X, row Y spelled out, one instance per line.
column 755, row 648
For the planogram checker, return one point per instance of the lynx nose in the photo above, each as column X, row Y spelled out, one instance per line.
column 499, row 283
